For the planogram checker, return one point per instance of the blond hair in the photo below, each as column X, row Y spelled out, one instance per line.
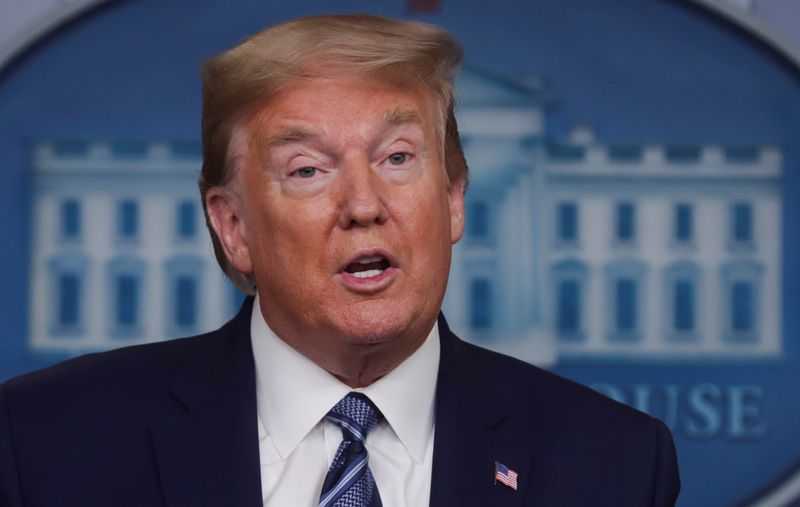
column 237, row 81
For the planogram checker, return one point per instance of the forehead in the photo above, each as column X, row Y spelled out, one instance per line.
column 343, row 103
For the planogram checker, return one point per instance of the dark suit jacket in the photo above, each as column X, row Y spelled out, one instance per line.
column 175, row 424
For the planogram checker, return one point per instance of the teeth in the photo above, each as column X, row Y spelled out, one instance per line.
column 368, row 273
column 367, row 260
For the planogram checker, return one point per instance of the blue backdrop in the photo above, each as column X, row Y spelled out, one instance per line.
column 648, row 71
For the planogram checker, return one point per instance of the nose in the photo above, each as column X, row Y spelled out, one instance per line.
column 361, row 196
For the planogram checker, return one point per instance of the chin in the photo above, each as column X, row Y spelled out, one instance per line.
column 374, row 323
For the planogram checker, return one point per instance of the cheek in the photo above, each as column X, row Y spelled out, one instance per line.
column 280, row 236
column 428, row 225
column 437, row 215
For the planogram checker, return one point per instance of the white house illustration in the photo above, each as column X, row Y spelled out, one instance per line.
column 574, row 249
column 121, row 254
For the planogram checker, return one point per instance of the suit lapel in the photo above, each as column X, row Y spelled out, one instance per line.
column 475, row 427
column 208, row 452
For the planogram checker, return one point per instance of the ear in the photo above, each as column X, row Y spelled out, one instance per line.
column 225, row 214
column 456, row 198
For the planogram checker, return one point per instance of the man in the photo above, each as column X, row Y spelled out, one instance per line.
column 333, row 182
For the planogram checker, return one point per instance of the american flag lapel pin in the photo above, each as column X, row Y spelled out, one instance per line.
column 505, row 475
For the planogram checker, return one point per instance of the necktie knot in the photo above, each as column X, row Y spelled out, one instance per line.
column 356, row 415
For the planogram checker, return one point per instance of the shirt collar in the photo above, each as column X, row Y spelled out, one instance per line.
column 405, row 395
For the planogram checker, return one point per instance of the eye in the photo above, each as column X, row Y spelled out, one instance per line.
column 306, row 172
column 398, row 158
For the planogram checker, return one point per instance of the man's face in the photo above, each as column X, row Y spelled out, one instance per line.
column 346, row 213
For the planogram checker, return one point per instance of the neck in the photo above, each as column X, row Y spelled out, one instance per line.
column 355, row 361
column 359, row 365
column 361, row 373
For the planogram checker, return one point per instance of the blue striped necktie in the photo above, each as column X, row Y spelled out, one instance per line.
column 349, row 482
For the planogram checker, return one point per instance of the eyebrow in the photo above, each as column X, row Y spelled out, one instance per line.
column 290, row 135
column 400, row 116
column 392, row 118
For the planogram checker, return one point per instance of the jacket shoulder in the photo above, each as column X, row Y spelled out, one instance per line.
column 532, row 390
column 147, row 363
column 122, row 385
column 582, row 440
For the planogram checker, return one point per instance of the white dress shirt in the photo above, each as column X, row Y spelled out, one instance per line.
column 296, row 445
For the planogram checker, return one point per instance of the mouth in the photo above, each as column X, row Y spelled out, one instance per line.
column 368, row 266
column 369, row 271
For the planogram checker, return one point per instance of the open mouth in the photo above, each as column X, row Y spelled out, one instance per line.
column 368, row 266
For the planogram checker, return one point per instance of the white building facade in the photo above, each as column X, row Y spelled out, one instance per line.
column 578, row 249
column 120, row 251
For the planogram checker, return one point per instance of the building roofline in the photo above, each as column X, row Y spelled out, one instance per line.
column 530, row 90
